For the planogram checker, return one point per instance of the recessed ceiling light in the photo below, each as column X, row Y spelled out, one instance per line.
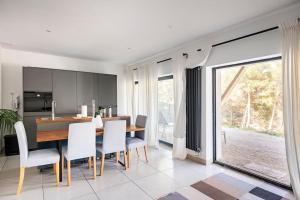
column 170, row 26
column 48, row 31
column 129, row 48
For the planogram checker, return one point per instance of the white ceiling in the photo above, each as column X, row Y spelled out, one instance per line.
column 118, row 31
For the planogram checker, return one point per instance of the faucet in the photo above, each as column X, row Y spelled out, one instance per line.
column 53, row 105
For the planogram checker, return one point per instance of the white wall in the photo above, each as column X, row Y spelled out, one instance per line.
column 14, row 60
column 0, row 77
column 258, row 46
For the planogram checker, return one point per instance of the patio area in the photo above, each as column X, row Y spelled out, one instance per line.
column 260, row 153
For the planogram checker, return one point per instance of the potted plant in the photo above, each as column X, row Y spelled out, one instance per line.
column 7, row 120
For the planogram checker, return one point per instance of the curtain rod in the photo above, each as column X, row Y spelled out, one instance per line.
column 245, row 36
column 164, row 60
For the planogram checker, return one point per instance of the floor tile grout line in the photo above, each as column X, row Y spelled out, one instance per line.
column 131, row 180
column 43, row 186
column 89, row 184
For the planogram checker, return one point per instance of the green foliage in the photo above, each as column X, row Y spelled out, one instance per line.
column 7, row 120
column 261, row 86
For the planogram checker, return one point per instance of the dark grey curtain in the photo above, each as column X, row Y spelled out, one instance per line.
column 193, row 109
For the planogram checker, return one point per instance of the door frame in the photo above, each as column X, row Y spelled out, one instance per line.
column 214, row 70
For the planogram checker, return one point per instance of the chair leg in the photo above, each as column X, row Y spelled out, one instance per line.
column 90, row 162
column 146, row 153
column 137, row 152
column 125, row 160
column 62, row 165
column 102, row 164
column 21, row 180
column 54, row 169
column 128, row 157
column 57, row 173
column 69, row 172
column 117, row 157
column 94, row 166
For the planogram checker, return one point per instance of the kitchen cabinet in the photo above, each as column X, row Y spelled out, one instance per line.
column 37, row 79
column 64, row 91
column 107, row 91
column 86, row 90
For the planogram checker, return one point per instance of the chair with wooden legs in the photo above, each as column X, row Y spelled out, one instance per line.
column 81, row 144
column 34, row 158
column 113, row 141
column 139, row 139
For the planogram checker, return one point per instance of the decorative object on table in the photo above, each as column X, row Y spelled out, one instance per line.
column 79, row 116
column 223, row 186
column 7, row 120
column 84, row 110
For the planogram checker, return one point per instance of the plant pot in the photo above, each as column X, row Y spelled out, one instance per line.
column 11, row 145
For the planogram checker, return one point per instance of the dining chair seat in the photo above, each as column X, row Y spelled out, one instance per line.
column 133, row 142
column 42, row 157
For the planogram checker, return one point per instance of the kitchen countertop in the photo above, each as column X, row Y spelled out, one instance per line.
column 74, row 119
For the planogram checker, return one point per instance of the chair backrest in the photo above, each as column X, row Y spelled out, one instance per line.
column 22, row 140
column 81, row 140
column 114, row 137
column 98, row 121
column 141, row 121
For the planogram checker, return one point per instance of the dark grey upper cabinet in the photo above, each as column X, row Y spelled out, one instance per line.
column 37, row 79
column 107, row 91
column 86, row 90
column 64, row 91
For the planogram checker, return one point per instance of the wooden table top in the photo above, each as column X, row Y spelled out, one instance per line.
column 72, row 119
column 55, row 135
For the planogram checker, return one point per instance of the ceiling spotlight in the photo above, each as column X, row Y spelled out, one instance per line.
column 48, row 31
column 129, row 48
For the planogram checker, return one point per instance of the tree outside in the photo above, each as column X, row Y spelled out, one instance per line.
column 254, row 102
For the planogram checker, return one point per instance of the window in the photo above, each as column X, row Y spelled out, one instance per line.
column 166, row 109
column 248, row 119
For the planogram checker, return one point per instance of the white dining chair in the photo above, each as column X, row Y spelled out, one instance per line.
column 139, row 139
column 33, row 158
column 114, row 138
column 81, row 144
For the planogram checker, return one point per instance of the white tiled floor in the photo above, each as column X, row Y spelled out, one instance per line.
column 160, row 176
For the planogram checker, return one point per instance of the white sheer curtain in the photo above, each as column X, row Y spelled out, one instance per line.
column 179, row 78
column 148, row 105
column 291, row 99
column 130, row 93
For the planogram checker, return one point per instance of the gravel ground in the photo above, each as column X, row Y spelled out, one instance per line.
column 248, row 147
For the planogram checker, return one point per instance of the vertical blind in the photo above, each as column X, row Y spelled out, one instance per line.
column 193, row 109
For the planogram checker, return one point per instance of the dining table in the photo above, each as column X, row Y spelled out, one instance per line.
column 56, row 130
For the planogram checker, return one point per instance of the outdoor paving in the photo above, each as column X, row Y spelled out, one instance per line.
column 257, row 152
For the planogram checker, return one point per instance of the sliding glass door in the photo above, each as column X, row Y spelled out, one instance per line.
column 248, row 122
column 166, row 109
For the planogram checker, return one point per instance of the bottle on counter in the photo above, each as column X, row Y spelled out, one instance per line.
column 109, row 111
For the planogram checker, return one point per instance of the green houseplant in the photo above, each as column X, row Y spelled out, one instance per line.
column 7, row 120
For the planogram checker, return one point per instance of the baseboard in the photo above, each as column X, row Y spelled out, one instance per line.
column 197, row 159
